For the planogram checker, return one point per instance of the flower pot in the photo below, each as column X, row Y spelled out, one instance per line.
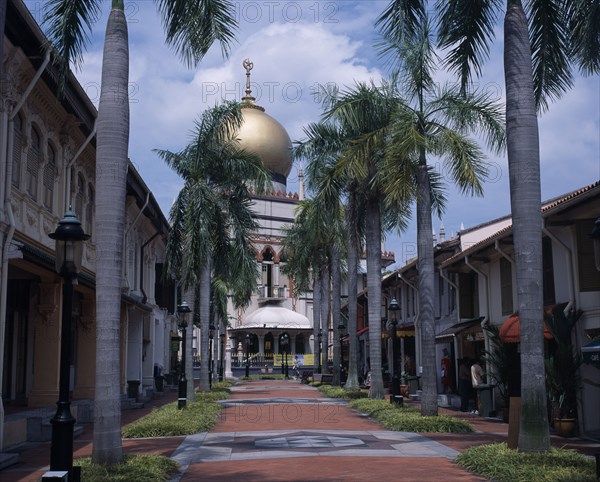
column 565, row 427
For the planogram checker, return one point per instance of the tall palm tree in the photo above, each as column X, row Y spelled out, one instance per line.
column 305, row 250
column 191, row 28
column 543, row 41
column 211, row 218
column 364, row 114
column 432, row 121
column 323, row 145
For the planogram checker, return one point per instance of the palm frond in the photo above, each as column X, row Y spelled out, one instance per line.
column 401, row 19
column 548, row 32
column 466, row 28
column 192, row 26
column 68, row 27
column 584, row 25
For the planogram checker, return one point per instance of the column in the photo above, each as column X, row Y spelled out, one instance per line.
column 47, row 317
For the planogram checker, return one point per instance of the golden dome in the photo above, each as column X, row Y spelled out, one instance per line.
column 267, row 138
column 264, row 136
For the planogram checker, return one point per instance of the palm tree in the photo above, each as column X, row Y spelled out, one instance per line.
column 306, row 254
column 211, row 217
column 363, row 115
column 432, row 121
column 191, row 28
column 323, row 145
column 542, row 43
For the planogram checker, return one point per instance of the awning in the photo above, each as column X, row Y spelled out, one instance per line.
column 510, row 331
column 457, row 328
column 591, row 353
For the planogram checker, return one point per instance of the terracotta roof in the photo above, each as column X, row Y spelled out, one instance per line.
column 548, row 208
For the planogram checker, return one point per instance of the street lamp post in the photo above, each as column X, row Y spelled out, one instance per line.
column 222, row 339
column 394, row 307
column 69, row 236
column 247, row 355
column 285, row 340
column 320, row 336
column 183, row 311
column 211, row 335
column 341, row 328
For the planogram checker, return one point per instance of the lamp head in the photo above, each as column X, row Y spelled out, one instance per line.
column 69, row 249
column 183, row 310
column 394, row 307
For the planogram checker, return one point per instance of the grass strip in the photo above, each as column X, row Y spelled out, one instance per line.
column 499, row 463
column 408, row 419
column 138, row 468
column 339, row 392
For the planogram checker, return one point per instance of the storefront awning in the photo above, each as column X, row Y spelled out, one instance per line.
column 591, row 353
column 510, row 331
column 457, row 328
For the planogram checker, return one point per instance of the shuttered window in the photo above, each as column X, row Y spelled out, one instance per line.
column 33, row 163
column 17, row 151
column 49, row 177
column 469, row 295
column 589, row 277
column 506, row 288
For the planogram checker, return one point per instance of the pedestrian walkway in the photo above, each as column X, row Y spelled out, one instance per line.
column 286, row 431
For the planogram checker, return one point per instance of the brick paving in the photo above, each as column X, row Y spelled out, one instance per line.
column 286, row 431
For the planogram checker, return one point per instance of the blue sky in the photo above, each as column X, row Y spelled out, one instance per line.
column 294, row 45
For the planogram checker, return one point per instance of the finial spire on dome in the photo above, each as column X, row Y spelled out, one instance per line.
column 248, row 65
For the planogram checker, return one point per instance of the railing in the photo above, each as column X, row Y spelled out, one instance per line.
column 266, row 360
column 272, row 291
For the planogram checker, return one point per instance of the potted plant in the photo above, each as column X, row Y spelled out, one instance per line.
column 498, row 361
column 562, row 370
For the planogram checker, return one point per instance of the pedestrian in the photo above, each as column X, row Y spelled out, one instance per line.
column 464, row 383
column 446, row 372
column 477, row 379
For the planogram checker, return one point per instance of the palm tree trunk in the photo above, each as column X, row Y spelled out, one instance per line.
column 525, row 199
column 204, row 323
column 336, row 312
column 352, row 381
column 111, row 177
column 325, row 292
column 373, row 236
column 426, row 289
column 316, row 317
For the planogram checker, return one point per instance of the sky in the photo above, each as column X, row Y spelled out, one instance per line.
column 294, row 46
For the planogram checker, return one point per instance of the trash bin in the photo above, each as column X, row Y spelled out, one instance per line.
column 159, row 383
column 485, row 397
column 133, row 387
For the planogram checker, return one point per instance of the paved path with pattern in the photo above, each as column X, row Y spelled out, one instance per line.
column 286, row 431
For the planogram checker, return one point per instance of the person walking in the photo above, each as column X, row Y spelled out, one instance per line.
column 477, row 379
column 446, row 372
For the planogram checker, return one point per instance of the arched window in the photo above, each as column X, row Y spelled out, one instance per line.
column 49, row 176
column 89, row 213
column 34, row 156
column 79, row 195
column 17, row 150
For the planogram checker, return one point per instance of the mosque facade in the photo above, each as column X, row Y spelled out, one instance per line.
column 275, row 322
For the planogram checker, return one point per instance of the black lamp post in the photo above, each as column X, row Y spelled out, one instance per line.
column 183, row 311
column 320, row 336
column 247, row 355
column 211, row 335
column 285, row 340
column 394, row 307
column 596, row 241
column 69, row 249
column 222, row 338
column 341, row 329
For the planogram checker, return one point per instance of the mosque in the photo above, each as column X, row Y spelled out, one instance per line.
column 275, row 322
